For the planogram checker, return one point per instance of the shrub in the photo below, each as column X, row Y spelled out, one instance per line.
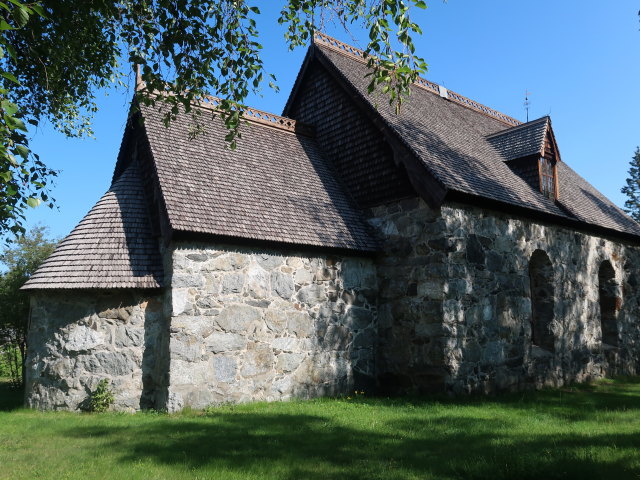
column 102, row 398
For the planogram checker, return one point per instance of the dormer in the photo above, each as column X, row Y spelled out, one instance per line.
column 531, row 152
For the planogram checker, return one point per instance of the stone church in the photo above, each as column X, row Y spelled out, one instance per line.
column 448, row 248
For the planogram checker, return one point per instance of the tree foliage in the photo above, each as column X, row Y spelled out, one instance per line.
column 632, row 189
column 21, row 259
column 57, row 54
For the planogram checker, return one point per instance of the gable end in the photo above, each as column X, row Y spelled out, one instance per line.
column 371, row 159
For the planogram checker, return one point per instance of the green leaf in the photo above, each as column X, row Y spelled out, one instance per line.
column 39, row 10
column 5, row 26
column 33, row 202
column 11, row 77
column 22, row 151
column 21, row 16
column 10, row 49
column 15, row 123
column 9, row 108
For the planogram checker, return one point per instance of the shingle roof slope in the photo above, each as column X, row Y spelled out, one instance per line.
column 521, row 141
column 451, row 140
column 275, row 186
column 112, row 246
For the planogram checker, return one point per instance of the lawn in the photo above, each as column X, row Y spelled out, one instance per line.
column 584, row 432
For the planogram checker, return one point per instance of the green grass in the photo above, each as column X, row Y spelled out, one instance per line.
column 584, row 432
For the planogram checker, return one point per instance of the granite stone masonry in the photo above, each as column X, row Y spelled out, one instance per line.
column 447, row 307
column 455, row 302
column 251, row 324
column 77, row 339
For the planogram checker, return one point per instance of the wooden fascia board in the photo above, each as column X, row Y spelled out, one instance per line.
column 544, row 139
column 430, row 188
column 551, row 135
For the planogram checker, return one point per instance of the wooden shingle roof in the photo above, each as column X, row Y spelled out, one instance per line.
column 276, row 186
column 521, row 141
column 452, row 141
column 112, row 246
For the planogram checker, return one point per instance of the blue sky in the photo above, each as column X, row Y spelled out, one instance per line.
column 579, row 59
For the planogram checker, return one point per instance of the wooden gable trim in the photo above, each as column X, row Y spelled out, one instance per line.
column 550, row 149
column 422, row 180
column 550, row 136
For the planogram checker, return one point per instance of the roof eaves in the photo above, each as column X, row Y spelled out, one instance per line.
column 371, row 247
column 93, row 286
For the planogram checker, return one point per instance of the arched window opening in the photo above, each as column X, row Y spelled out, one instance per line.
column 608, row 292
column 542, row 300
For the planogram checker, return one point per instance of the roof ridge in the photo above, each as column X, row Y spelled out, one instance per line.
column 257, row 116
column 262, row 117
column 360, row 55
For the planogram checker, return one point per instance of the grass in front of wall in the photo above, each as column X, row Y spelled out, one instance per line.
column 585, row 432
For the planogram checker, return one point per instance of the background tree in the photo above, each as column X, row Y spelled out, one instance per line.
column 632, row 189
column 56, row 54
column 21, row 259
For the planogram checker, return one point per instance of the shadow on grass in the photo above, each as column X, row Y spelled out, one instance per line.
column 424, row 440
column 11, row 398
column 577, row 402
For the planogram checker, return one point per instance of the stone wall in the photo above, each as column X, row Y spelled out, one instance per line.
column 455, row 302
column 78, row 338
column 412, row 275
column 250, row 324
column 446, row 307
